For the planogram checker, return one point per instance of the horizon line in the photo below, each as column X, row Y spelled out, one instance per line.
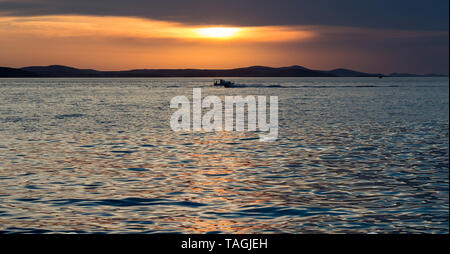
column 229, row 68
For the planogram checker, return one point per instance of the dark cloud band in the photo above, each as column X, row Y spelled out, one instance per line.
column 398, row 14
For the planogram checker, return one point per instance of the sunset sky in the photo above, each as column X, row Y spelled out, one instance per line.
column 371, row 36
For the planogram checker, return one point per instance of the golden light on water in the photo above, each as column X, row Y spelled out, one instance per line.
column 217, row 32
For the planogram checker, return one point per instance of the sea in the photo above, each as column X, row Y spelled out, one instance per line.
column 98, row 155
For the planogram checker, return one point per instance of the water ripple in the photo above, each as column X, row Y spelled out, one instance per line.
column 98, row 156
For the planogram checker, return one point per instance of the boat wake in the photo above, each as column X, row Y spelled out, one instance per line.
column 258, row 85
column 230, row 84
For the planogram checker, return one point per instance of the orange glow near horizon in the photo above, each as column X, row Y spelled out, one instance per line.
column 218, row 32
column 69, row 26
column 117, row 43
column 121, row 43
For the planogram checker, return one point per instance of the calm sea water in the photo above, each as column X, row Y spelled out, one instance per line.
column 354, row 155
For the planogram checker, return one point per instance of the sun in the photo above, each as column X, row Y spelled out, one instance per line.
column 217, row 32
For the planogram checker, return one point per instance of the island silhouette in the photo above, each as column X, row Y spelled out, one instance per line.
column 252, row 71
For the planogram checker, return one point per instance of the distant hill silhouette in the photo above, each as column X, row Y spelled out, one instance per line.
column 6, row 72
column 350, row 73
column 60, row 71
column 252, row 71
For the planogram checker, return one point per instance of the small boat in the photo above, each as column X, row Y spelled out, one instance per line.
column 224, row 83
